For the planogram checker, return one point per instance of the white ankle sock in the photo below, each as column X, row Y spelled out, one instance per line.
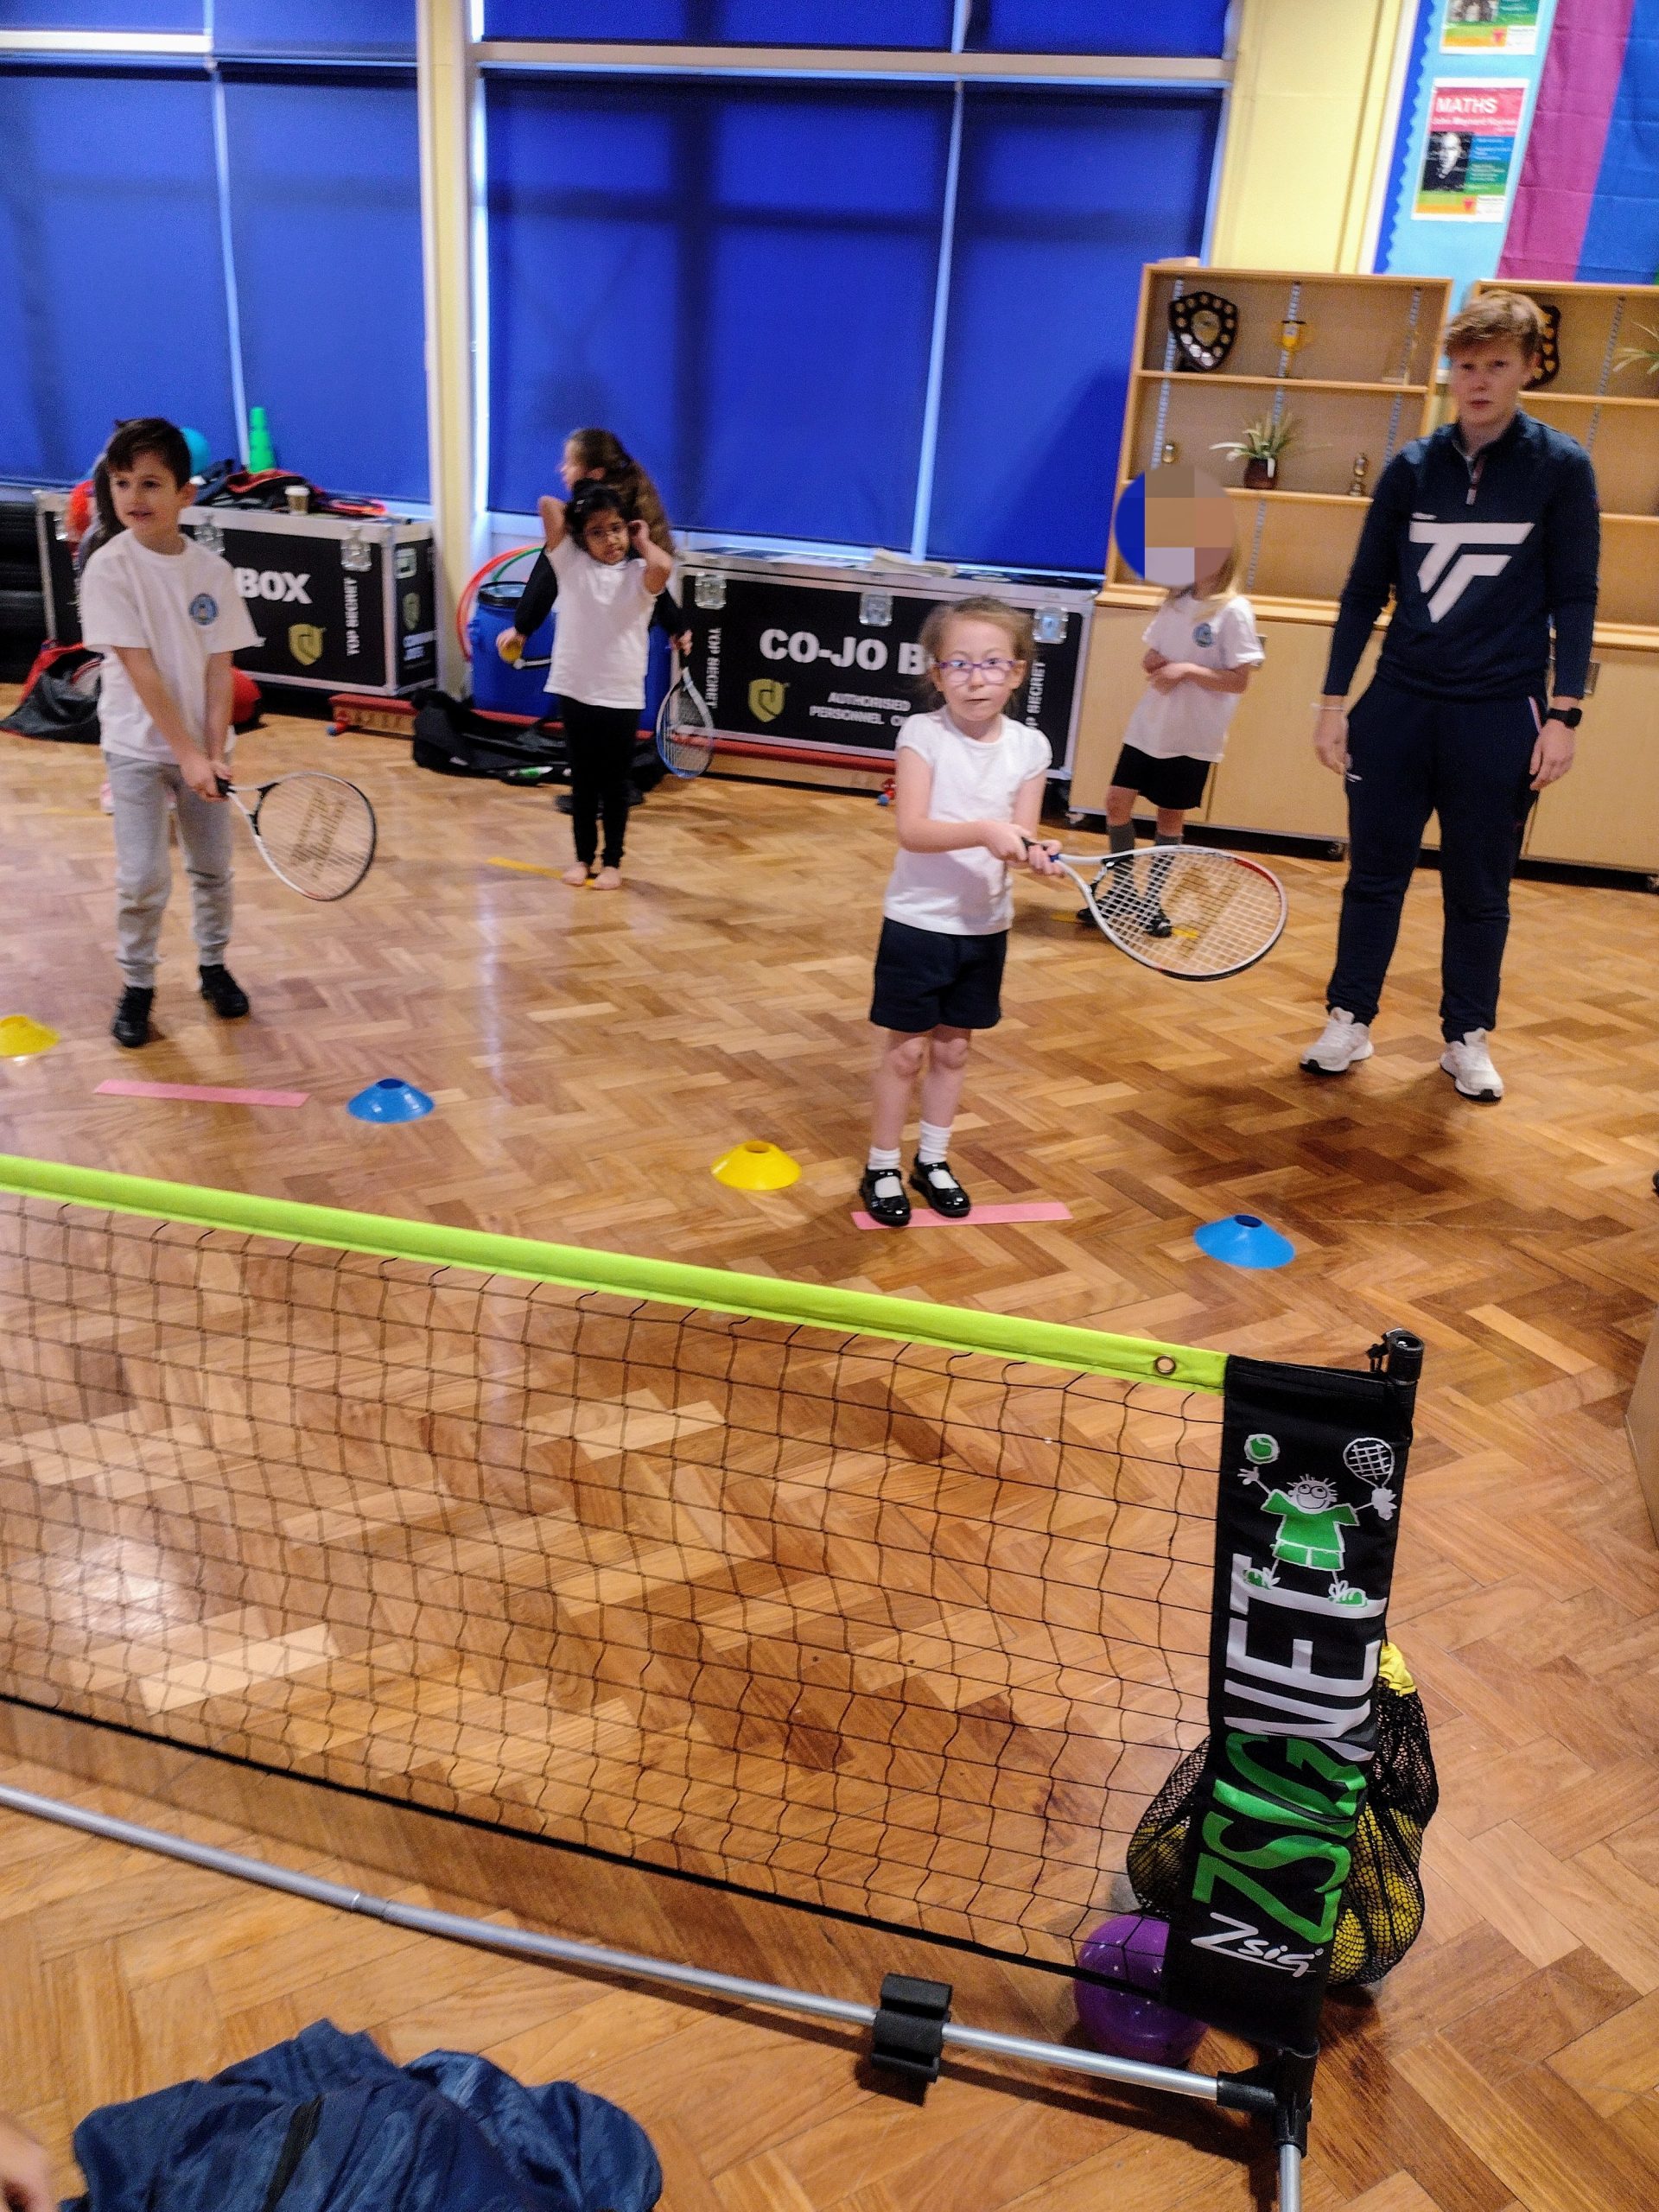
column 883, row 1159
column 932, row 1144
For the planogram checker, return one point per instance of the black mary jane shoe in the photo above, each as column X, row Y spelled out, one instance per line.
column 892, row 1211
column 131, row 1025
column 941, row 1189
column 223, row 992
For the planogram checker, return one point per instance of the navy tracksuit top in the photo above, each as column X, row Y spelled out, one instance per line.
column 1482, row 556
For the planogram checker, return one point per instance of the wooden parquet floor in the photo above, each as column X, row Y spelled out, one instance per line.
column 590, row 1056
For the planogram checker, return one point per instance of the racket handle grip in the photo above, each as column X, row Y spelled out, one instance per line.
column 226, row 786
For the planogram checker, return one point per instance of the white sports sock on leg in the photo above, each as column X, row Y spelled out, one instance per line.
column 883, row 1158
column 933, row 1144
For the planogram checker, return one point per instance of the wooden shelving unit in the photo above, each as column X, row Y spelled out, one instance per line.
column 1368, row 380
column 1604, row 813
column 1363, row 382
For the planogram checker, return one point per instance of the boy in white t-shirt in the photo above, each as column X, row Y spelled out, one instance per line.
column 969, row 796
column 167, row 616
column 1201, row 645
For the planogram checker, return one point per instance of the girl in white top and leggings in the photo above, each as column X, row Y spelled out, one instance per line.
column 610, row 571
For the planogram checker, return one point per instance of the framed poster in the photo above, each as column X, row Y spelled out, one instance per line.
column 1469, row 154
column 1490, row 27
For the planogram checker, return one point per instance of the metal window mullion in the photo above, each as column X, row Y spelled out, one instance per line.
column 227, row 238
column 927, row 458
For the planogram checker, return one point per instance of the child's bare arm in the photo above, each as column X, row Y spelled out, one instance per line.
column 160, row 705
column 1172, row 672
column 551, row 511
column 218, row 708
column 659, row 566
column 1028, row 817
column 919, row 833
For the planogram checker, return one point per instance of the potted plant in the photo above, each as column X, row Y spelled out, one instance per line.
column 1643, row 358
column 1261, row 445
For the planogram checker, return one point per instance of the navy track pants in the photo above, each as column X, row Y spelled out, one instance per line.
column 1471, row 763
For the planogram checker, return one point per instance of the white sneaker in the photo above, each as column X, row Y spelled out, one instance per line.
column 1469, row 1066
column 1342, row 1042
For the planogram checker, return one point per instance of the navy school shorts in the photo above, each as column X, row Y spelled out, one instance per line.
column 928, row 978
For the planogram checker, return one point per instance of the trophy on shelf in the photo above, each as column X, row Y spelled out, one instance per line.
column 1357, row 481
column 1549, row 351
column 1204, row 326
column 1293, row 334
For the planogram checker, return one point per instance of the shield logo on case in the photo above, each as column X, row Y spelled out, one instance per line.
column 305, row 642
column 766, row 698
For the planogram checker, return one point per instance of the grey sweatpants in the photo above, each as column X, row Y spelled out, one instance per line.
column 143, row 868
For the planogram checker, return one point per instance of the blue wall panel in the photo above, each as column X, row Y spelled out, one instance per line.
column 738, row 281
column 111, row 291
column 1063, row 198
column 326, row 219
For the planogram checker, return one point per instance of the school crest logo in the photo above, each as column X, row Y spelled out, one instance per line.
column 204, row 609
column 767, row 697
column 305, row 642
column 1204, row 634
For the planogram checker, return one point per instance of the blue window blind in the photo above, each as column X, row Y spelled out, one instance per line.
column 1167, row 27
column 326, row 220
column 738, row 280
column 101, row 16
column 112, row 284
column 727, row 22
column 374, row 31
column 1063, row 197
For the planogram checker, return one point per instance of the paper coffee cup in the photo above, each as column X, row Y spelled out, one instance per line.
column 299, row 499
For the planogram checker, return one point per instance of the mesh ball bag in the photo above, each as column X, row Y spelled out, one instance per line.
column 1382, row 1908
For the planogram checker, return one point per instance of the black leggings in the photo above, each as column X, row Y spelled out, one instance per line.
column 600, row 741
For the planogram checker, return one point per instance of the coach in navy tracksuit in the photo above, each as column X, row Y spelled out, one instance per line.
column 1487, row 534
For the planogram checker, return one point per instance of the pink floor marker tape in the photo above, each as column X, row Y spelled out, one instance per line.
column 209, row 1094
column 980, row 1217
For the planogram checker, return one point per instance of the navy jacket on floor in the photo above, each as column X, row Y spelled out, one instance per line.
column 327, row 2123
column 1481, row 555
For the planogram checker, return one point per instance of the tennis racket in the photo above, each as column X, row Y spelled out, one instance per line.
column 685, row 729
column 315, row 833
column 1188, row 910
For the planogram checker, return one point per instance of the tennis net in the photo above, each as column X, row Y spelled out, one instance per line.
column 879, row 1606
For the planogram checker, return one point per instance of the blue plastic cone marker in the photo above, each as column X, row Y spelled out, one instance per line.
column 391, row 1099
column 1245, row 1240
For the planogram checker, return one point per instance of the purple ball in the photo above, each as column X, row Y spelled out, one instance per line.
column 1132, row 1948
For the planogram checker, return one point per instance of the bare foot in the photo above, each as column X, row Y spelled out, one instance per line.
column 608, row 878
column 578, row 874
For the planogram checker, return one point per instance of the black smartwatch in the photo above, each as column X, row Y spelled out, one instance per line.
column 1568, row 717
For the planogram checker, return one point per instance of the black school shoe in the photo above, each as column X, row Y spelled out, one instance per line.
column 223, row 992
column 940, row 1188
column 131, row 1025
column 892, row 1211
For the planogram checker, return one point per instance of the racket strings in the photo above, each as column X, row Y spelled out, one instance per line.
column 1188, row 910
column 318, row 832
column 685, row 730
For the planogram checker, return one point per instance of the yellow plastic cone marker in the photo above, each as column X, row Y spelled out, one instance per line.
column 19, row 1035
column 756, row 1166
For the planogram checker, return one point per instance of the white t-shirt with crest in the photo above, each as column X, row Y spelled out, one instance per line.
column 1190, row 723
column 184, row 608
